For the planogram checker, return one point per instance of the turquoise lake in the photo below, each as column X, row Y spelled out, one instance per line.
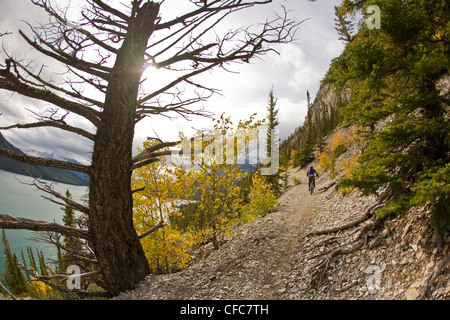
column 24, row 201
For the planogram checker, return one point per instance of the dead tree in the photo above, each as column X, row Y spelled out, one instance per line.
column 104, row 55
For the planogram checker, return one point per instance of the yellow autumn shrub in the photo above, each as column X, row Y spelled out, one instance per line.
column 262, row 199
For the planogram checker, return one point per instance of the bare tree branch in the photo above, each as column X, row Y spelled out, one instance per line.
column 209, row 7
column 88, row 257
column 44, row 162
column 144, row 163
column 174, row 83
column 10, row 222
column 41, row 83
column 149, row 151
column 10, row 82
column 160, row 225
column 93, row 68
column 52, row 123
column 60, row 17
column 6, row 290
column 67, row 201
column 110, row 9
column 204, row 57
column 75, row 292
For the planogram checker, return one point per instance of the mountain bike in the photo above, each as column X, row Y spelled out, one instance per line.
column 312, row 182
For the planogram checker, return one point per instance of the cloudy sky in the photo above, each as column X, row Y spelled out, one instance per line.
column 299, row 67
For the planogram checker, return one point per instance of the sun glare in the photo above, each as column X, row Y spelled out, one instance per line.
column 155, row 78
column 149, row 72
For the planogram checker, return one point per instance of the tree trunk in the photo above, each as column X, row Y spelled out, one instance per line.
column 117, row 248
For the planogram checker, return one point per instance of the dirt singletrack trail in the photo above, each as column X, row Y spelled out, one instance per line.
column 259, row 262
column 275, row 257
column 295, row 208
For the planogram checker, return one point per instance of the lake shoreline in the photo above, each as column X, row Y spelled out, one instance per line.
column 21, row 200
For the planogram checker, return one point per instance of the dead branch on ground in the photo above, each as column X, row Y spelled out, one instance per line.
column 7, row 292
column 429, row 281
column 349, row 244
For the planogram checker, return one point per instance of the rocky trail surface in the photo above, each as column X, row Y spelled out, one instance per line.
column 278, row 256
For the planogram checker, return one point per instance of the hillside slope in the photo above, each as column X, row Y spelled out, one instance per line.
column 279, row 256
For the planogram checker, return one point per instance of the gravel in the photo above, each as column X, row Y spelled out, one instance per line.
column 273, row 258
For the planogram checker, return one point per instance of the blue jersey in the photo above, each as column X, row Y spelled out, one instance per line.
column 311, row 172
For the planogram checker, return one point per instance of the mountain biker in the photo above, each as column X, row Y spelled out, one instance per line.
column 311, row 174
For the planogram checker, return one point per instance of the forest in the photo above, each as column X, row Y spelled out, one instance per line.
column 396, row 74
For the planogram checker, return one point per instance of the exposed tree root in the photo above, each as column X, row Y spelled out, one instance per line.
column 323, row 189
column 429, row 281
column 322, row 267
column 358, row 242
column 351, row 224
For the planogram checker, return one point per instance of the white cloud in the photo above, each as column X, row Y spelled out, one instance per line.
column 299, row 67
column 293, row 69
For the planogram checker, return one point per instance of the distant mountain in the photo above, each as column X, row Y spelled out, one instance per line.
column 46, row 173
column 246, row 167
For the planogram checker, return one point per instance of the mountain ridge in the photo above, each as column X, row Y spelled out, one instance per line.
column 46, row 173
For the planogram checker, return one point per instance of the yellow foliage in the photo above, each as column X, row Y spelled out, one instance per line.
column 338, row 144
column 350, row 165
column 324, row 159
column 214, row 185
column 262, row 199
column 166, row 247
column 292, row 157
column 40, row 288
column 216, row 180
column 327, row 156
column 166, row 250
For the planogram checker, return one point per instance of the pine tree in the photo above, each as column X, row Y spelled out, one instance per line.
column 31, row 259
column 42, row 266
column 306, row 154
column 394, row 72
column 343, row 26
column 14, row 278
column 72, row 244
column 272, row 117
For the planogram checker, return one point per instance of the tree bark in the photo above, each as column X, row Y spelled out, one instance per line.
column 111, row 233
column 113, row 237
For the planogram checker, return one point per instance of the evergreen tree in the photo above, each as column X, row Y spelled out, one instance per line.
column 319, row 130
column 344, row 27
column 306, row 154
column 72, row 244
column 31, row 258
column 42, row 266
column 272, row 137
column 394, row 72
column 14, row 278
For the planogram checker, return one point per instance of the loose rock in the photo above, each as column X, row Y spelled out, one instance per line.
column 273, row 258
